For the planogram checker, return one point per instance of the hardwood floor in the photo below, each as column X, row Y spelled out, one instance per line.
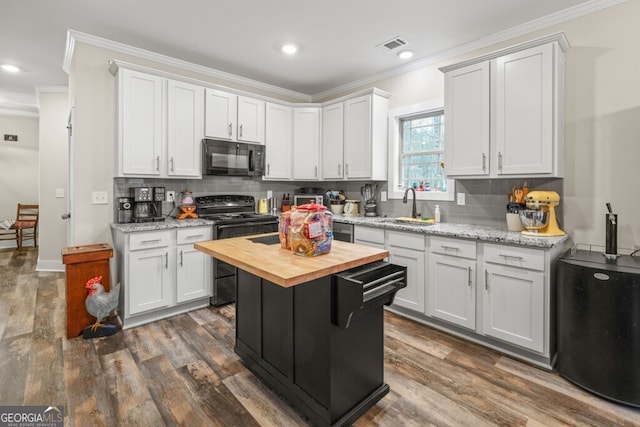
column 183, row 371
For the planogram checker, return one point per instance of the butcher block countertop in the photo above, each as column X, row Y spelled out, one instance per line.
column 283, row 267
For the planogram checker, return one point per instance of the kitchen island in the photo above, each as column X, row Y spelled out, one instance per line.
column 311, row 328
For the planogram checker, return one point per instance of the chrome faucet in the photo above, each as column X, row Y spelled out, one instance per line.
column 414, row 214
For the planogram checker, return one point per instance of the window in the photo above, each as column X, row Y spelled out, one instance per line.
column 416, row 152
column 422, row 152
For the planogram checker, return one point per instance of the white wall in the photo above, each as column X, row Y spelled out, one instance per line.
column 54, row 110
column 18, row 166
column 602, row 117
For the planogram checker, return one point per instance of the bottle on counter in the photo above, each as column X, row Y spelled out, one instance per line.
column 436, row 214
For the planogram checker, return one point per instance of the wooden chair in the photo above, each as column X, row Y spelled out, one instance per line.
column 26, row 224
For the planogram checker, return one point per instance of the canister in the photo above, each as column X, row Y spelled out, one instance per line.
column 310, row 231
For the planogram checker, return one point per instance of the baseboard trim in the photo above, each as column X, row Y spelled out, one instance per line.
column 49, row 265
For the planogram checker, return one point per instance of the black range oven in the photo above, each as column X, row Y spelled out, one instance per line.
column 232, row 216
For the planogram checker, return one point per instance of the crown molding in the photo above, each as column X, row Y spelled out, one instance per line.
column 74, row 37
column 19, row 111
column 519, row 30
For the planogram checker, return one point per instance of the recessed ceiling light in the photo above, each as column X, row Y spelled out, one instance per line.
column 289, row 48
column 10, row 68
column 405, row 54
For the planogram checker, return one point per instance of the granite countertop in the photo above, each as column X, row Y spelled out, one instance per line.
column 168, row 224
column 465, row 231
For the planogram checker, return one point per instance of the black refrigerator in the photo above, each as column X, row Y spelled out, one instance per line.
column 599, row 324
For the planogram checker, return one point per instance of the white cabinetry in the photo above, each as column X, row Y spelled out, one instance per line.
column 514, row 295
column 194, row 268
column 368, row 236
column 159, row 126
column 233, row 117
column 451, row 286
column 332, row 141
column 161, row 273
column 354, row 140
column 505, row 112
column 408, row 250
column 306, row 143
column 150, row 263
column 278, row 141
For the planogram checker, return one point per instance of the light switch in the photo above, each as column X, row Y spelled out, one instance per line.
column 100, row 197
column 383, row 196
column 59, row 193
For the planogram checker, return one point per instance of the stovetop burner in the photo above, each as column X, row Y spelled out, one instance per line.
column 229, row 209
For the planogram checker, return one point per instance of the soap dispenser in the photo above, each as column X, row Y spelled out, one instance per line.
column 436, row 213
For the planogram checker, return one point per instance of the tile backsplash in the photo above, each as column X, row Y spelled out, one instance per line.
column 485, row 203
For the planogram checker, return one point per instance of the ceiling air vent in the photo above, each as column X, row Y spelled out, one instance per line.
column 394, row 43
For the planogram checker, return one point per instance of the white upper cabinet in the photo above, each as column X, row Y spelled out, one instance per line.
column 306, row 143
column 251, row 120
column 278, row 141
column 233, row 117
column 525, row 111
column 333, row 141
column 139, row 124
column 185, row 128
column 354, row 137
column 221, row 114
column 504, row 112
column 160, row 126
column 466, row 105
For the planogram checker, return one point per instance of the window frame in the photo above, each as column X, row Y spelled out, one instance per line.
column 395, row 173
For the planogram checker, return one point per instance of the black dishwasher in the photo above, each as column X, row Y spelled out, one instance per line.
column 599, row 324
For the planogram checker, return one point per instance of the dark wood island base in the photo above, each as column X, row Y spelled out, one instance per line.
column 288, row 338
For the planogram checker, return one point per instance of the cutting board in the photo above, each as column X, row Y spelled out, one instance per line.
column 416, row 220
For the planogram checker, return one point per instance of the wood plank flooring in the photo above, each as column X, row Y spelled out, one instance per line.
column 183, row 371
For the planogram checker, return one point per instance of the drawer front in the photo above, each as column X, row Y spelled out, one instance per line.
column 407, row 240
column 368, row 234
column 148, row 240
column 532, row 259
column 193, row 235
column 453, row 247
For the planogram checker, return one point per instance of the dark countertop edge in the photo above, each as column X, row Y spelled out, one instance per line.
column 463, row 231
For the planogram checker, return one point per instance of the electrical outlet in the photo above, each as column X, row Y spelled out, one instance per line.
column 460, row 199
column 171, row 196
column 59, row 193
column 100, row 198
column 269, row 194
column 383, row 196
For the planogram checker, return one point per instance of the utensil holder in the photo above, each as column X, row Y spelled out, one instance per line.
column 513, row 222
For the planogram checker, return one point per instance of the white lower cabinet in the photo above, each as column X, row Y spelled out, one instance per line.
column 161, row 274
column 451, row 287
column 194, row 268
column 408, row 250
column 514, row 296
column 368, row 236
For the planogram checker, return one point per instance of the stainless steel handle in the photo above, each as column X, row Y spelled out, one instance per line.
column 181, row 259
column 449, row 248
column 469, row 273
column 166, row 260
column 144, row 242
column 519, row 258
column 268, row 169
column 240, row 131
column 484, row 162
column 196, row 236
column 486, row 280
column 171, row 162
column 499, row 160
column 229, row 129
column 157, row 163
column 346, row 169
column 66, row 215
column 339, row 169
column 315, row 174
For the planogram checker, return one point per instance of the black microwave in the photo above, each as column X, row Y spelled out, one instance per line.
column 230, row 158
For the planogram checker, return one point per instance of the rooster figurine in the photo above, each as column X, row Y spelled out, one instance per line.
column 100, row 304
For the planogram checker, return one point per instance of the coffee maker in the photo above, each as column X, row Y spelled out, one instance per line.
column 147, row 203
